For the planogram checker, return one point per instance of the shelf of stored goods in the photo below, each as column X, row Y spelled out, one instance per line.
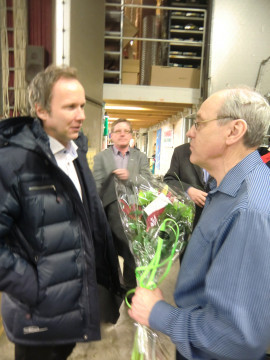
column 113, row 44
column 187, row 33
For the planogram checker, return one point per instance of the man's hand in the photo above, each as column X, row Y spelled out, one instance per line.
column 142, row 304
column 198, row 196
column 122, row 174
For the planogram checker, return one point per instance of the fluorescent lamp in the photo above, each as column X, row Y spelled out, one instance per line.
column 130, row 108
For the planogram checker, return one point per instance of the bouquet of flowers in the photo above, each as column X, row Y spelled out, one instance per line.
column 157, row 223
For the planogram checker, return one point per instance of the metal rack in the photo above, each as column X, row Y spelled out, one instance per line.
column 114, row 38
column 113, row 42
column 187, row 35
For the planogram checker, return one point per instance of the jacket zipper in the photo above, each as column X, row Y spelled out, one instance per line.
column 44, row 187
column 85, row 278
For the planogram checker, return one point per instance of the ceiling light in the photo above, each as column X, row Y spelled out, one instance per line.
column 129, row 108
column 111, row 119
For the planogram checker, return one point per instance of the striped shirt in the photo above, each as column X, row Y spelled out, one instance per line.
column 121, row 161
column 223, row 288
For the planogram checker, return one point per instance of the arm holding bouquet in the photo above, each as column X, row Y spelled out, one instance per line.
column 222, row 291
column 142, row 304
column 156, row 222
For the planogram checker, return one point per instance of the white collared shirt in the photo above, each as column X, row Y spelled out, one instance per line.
column 205, row 175
column 64, row 157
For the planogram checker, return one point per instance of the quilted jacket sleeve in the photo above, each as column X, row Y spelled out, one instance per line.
column 18, row 276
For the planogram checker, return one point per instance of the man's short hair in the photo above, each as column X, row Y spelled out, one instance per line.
column 40, row 88
column 247, row 104
column 121, row 121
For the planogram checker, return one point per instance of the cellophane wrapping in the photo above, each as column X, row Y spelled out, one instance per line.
column 157, row 222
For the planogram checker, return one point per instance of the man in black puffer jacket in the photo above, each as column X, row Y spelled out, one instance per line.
column 56, row 248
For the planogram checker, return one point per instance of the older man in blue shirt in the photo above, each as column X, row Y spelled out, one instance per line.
column 223, row 289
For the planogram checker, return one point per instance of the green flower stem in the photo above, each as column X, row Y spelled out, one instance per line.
column 146, row 277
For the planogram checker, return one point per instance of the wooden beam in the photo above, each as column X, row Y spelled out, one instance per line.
column 148, row 113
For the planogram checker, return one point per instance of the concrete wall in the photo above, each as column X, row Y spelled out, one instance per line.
column 86, row 54
column 239, row 42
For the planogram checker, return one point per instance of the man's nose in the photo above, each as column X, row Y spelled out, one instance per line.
column 190, row 132
column 80, row 114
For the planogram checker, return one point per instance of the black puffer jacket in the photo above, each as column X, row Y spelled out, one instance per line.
column 53, row 250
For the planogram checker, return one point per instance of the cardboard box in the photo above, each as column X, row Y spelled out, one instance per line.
column 129, row 30
column 175, row 76
column 130, row 78
column 131, row 65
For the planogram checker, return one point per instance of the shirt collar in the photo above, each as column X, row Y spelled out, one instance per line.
column 116, row 151
column 58, row 148
column 232, row 181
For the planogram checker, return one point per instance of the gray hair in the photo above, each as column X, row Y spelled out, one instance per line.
column 249, row 105
column 40, row 88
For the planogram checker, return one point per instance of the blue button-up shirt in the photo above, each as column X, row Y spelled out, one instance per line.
column 223, row 288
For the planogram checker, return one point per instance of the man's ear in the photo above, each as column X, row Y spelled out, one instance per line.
column 236, row 131
column 41, row 113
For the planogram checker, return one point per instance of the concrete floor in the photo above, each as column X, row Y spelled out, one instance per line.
column 117, row 340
